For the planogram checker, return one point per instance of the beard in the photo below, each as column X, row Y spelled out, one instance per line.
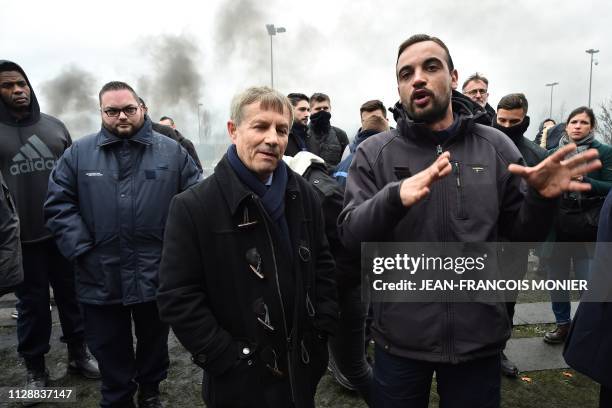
column 432, row 113
column 123, row 132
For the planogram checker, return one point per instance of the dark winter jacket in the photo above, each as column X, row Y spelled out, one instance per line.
column 531, row 152
column 477, row 202
column 579, row 213
column 182, row 140
column 11, row 272
column 553, row 135
column 513, row 258
column 331, row 195
column 29, row 149
column 328, row 145
column 221, row 291
column 107, row 204
column 588, row 348
column 298, row 139
column 341, row 171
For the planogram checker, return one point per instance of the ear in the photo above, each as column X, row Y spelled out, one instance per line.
column 231, row 130
column 454, row 79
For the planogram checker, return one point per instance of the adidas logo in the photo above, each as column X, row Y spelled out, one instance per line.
column 33, row 156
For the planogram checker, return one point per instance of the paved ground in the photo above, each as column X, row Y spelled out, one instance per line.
column 532, row 355
column 535, row 313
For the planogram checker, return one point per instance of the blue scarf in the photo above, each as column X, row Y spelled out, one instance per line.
column 272, row 198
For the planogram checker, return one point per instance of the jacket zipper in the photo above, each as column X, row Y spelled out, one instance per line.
column 280, row 296
column 457, row 173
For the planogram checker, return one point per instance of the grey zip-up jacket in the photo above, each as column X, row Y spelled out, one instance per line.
column 479, row 201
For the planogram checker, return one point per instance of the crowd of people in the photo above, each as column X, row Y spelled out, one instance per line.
column 256, row 268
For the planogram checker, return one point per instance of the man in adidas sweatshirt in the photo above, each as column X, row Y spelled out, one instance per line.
column 31, row 144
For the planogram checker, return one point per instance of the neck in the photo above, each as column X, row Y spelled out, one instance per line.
column 20, row 114
column 263, row 177
column 443, row 123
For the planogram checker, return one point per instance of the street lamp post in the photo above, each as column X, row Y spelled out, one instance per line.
column 552, row 85
column 591, row 51
column 271, row 32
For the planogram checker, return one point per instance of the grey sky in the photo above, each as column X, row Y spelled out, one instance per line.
column 346, row 49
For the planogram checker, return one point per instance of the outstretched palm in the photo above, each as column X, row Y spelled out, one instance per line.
column 554, row 175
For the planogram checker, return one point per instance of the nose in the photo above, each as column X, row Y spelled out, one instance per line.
column 419, row 78
column 122, row 115
column 271, row 138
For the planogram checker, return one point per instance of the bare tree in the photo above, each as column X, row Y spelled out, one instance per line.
column 604, row 126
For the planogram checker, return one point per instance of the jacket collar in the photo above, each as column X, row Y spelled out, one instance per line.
column 407, row 127
column 143, row 136
column 234, row 191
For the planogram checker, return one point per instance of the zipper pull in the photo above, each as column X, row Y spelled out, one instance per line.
column 439, row 150
column 457, row 173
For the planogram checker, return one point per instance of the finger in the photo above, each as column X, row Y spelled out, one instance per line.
column 518, row 170
column 584, row 168
column 580, row 158
column 445, row 171
column 561, row 153
column 578, row 186
column 445, row 155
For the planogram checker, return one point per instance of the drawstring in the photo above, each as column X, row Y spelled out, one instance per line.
column 309, row 307
column 305, row 355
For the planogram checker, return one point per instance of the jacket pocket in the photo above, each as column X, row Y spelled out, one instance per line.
column 236, row 387
column 154, row 189
column 98, row 201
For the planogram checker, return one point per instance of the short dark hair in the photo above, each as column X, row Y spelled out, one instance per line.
column 296, row 97
column 117, row 86
column 583, row 109
column 372, row 106
column 417, row 38
column 167, row 118
column 549, row 120
column 319, row 97
column 513, row 101
column 475, row 77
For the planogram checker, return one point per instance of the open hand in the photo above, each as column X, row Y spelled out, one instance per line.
column 554, row 175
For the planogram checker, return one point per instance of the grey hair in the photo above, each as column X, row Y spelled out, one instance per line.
column 268, row 98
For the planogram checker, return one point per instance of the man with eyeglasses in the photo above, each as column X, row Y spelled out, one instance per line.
column 31, row 143
column 476, row 87
column 106, row 205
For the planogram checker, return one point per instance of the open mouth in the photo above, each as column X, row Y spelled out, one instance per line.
column 421, row 97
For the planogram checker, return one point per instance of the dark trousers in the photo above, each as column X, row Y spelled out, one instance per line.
column 405, row 383
column 347, row 345
column 43, row 265
column 108, row 332
column 605, row 397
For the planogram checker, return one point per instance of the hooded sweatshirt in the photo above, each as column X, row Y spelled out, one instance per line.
column 28, row 151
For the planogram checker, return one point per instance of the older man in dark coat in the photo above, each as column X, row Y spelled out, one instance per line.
column 246, row 280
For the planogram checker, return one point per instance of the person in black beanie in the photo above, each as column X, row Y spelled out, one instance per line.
column 325, row 140
column 298, row 135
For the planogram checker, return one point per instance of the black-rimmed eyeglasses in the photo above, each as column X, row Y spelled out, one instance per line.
column 114, row 112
